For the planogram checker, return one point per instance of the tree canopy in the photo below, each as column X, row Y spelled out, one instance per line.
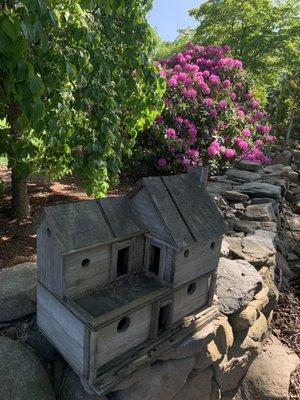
column 76, row 85
column 264, row 34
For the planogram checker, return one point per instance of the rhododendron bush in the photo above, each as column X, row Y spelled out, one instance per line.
column 210, row 115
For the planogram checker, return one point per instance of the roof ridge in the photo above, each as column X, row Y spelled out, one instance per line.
column 177, row 208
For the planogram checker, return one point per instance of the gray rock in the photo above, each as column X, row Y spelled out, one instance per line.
column 249, row 249
column 72, row 389
column 269, row 375
column 17, row 291
column 279, row 170
column 237, row 284
column 164, row 380
column 293, row 221
column 192, row 345
column 198, row 386
column 297, row 207
column 235, row 196
column 22, row 376
column 260, row 189
column 218, row 188
column 242, row 176
column 249, row 166
column 267, row 238
column 259, row 212
column 282, row 159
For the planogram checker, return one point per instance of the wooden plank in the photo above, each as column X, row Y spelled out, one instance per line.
column 185, row 303
column 202, row 259
column 63, row 329
column 111, row 343
column 196, row 207
column 168, row 211
column 80, row 279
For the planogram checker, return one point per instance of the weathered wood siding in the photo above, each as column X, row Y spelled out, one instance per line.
column 49, row 258
column 201, row 260
column 63, row 329
column 110, row 343
column 80, row 279
column 185, row 304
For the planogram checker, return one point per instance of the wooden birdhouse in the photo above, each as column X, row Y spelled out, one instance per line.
column 125, row 278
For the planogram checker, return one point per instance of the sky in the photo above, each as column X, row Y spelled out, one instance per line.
column 167, row 16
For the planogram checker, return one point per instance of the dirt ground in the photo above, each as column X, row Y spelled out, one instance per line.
column 18, row 236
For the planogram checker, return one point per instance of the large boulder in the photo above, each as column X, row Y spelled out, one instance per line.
column 72, row 389
column 260, row 189
column 22, row 375
column 162, row 382
column 237, row 283
column 17, row 291
column 198, row 386
column 268, row 378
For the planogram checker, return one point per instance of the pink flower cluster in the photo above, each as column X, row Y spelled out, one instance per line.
column 210, row 111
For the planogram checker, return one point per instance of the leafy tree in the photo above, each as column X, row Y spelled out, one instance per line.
column 166, row 49
column 76, row 85
column 264, row 34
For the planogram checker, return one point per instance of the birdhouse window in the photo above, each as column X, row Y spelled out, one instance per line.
column 164, row 318
column 154, row 259
column 123, row 261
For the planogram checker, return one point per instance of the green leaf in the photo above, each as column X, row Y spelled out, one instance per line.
column 36, row 86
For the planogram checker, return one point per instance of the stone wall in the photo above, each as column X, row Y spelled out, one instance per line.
column 212, row 363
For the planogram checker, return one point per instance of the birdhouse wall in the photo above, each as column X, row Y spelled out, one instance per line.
column 64, row 330
column 49, row 256
column 109, row 342
column 191, row 298
column 197, row 260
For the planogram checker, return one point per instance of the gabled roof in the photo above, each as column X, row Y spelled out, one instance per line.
column 178, row 208
column 86, row 223
column 187, row 213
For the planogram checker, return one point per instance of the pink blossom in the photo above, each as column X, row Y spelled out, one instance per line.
column 213, row 113
column 213, row 149
column 182, row 76
column 171, row 133
column 185, row 162
column 162, row 162
column 233, row 96
column 242, row 144
column 227, row 83
column 214, row 79
column 189, row 93
column 263, row 128
column 246, row 132
column 223, row 104
column 179, row 120
column 208, row 102
column 194, row 153
column 255, row 103
column 226, row 48
column 270, row 138
column 241, row 113
column 230, row 153
column 259, row 142
column 173, row 81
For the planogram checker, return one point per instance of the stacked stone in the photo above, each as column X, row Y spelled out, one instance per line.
column 260, row 249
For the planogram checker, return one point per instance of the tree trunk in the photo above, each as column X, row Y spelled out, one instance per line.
column 290, row 125
column 19, row 199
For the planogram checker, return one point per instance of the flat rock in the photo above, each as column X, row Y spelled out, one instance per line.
column 17, row 291
column 218, row 188
column 249, row 249
column 268, row 377
column 294, row 222
column 265, row 237
column 163, row 381
column 297, row 207
column 260, row 189
column 233, row 195
column 241, row 175
column 259, row 212
column 249, row 166
column 237, row 283
column 198, row 386
column 22, row 375
column 279, row 170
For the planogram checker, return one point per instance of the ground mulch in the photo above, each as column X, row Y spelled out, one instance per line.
column 18, row 236
column 286, row 326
